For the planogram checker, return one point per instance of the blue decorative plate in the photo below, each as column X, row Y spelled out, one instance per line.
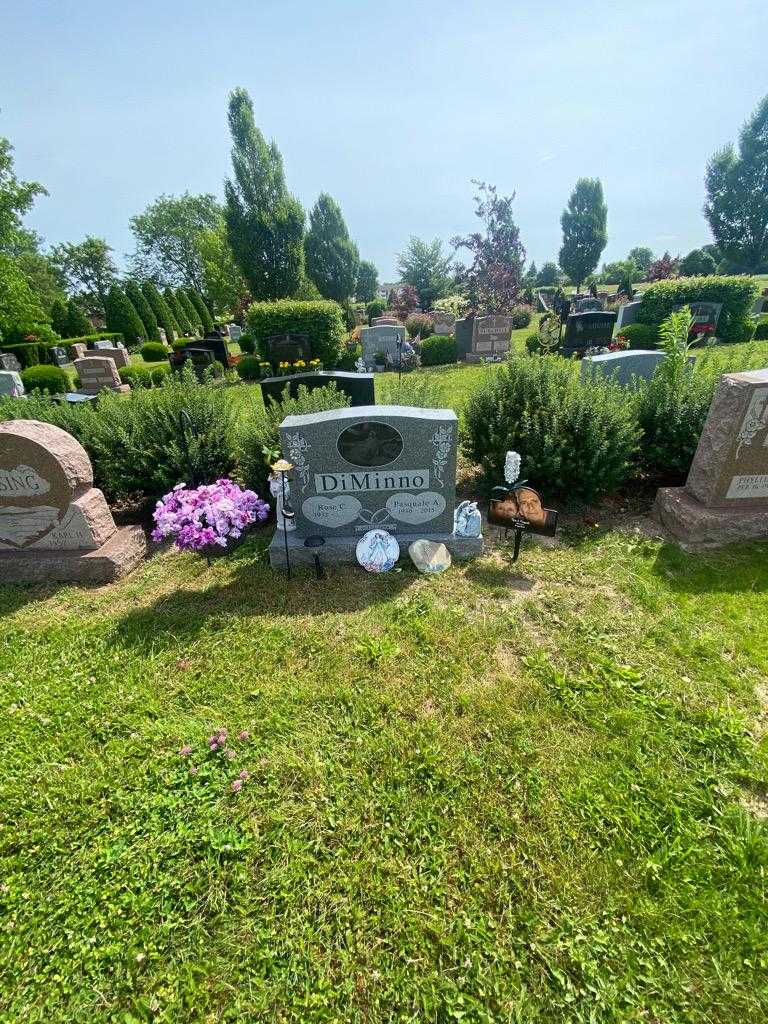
column 377, row 551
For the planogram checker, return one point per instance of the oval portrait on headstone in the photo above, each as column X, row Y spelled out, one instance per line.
column 370, row 444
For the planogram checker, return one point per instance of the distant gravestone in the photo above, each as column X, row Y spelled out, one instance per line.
column 541, row 303
column 389, row 467
column 78, row 350
column 235, row 332
column 357, row 386
column 725, row 497
column 623, row 366
column 385, row 321
column 59, row 355
column 705, row 317
column 8, row 361
column 106, row 345
column 483, row 337
column 97, row 374
column 381, row 338
column 288, row 348
column 627, row 314
column 11, row 384
column 54, row 525
column 119, row 355
column 163, row 335
column 590, row 305
column 444, row 322
column 583, row 330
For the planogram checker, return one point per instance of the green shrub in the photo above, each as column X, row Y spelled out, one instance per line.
column 577, row 438
column 88, row 339
column 178, row 313
column 143, row 376
column 137, row 446
column 59, row 317
column 42, row 334
column 190, row 311
column 203, row 313
column 438, row 350
column 420, row 324
column 420, row 390
column 375, row 308
column 673, row 404
column 163, row 315
column 146, row 314
column 52, row 379
column 259, row 429
column 321, row 321
column 77, row 420
column 761, row 331
column 533, row 344
column 521, row 316
column 121, row 316
column 29, row 353
column 76, row 322
column 737, row 295
column 643, row 336
column 247, row 344
column 153, row 352
column 249, row 368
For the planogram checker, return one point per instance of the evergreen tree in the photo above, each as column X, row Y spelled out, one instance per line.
column 179, row 315
column 59, row 317
column 162, row 313
column 367, row 285
column 204, row 314
column 425, row 266
column 737, row 195
column 585, row 235
column 77, row 323
column 143, row 308
column 122, row 317
column 331, row 256
column 265, row 223
column 189, row 310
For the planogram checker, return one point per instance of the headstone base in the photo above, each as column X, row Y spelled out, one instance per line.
column 339, row 550
column 115, row 558
column 698, row 528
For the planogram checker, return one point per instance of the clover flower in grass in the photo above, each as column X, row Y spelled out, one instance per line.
column 512, row 467
column 245, row 775
column 244, row 735
column 186, row 750
column 237, row 785
column 212, row 515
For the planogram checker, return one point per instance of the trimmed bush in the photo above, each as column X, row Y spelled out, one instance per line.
column 737, row 295
column 140, row 375
column 247, row 344
column 52, row 379
column 674, row 403
column 375, row 308
column 143, row 308
column 259, row 429
column 761, row 331
column 88, row 339
column 203, row 313
column 189, row 310
column 163, row 315
column 521, row 316
column 28, row 353
column 122, row 317
column 438, row 350
column 421, row 324
column 249, row 368
column 153, row 352
column 577, row 438
column 77, row 420
column 640, row 335
column 178, row 313
column 321, row 321
column 40, row 334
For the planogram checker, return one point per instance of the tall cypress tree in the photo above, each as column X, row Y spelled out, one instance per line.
column 585, row 235
column 122, row 317
column 332, row 256
column 203, row 312
column 265, row 223
column 164, row 316
column 189, row 310
column 144, row 310
column 178, row 313
column 77, row 323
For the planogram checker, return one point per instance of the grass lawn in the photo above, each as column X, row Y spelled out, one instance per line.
column 505, row 794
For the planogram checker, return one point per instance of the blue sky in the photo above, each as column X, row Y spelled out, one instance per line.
column 390, row 106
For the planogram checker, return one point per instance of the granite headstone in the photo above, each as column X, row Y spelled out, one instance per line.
column 627, row 314
column 583, row 330
column 483, row 337
column 381, row 338
column 11, row 385
column 623, row 366
column 98, row 373
column 357, row 386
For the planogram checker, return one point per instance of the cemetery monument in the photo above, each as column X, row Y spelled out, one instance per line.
column 483, row 337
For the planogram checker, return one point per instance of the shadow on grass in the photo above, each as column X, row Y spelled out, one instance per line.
column 737, row 569
column 253, row 590
column 495, row 577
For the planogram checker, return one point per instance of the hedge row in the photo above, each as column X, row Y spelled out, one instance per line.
column 737, row 295
column 321, row 321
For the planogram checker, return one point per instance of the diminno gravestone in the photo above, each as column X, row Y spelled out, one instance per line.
column 54, row 524
column 390, row 466
column 725, row 497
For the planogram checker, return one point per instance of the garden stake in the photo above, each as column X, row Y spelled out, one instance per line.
column 282, row 466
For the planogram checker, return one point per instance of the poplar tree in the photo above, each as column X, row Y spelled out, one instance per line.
column 585, row 235
column 331, row 256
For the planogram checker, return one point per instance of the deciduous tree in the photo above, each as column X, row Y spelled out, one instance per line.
column 87, row 267
column 584, row 224
column 425, row 266
column 367, row 284
column 168, row 238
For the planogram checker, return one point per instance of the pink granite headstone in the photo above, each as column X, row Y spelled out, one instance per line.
column 78, row 350
column 54, row 524
column 98, row 373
